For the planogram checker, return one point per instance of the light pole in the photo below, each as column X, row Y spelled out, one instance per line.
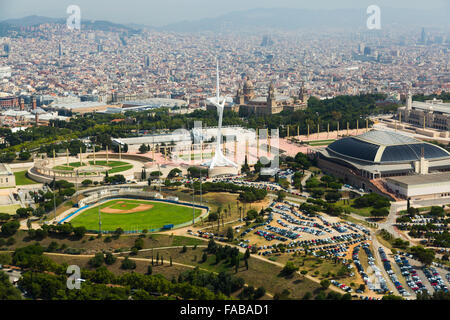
column 201, row 194
column 159, row 178
column 193, row 199
column 99, row 221
column 54, row 199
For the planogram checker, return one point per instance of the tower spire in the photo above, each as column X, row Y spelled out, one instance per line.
column 217, row 79
column 219, row 158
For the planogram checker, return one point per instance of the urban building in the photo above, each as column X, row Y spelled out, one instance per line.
column 7, row 178
column 429, row 114
column 79, row 107
column 7, row 101
column 250, row 104
column 420, row 187
column 365, row 161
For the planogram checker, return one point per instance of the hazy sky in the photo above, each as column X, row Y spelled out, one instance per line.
column 161, row 12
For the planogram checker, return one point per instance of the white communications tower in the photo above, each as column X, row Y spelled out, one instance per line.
column 219, row 159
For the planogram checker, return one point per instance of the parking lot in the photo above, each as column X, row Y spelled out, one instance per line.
column 297, row 230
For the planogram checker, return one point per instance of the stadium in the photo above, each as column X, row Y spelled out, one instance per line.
column 365, row 161
column 133, row 211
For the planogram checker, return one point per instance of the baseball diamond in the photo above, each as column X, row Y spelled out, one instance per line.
column 130, row 214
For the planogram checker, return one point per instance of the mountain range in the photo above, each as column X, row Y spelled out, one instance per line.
column 269, row 19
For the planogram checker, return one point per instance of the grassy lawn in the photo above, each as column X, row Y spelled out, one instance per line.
column 117, row 166
column 384, row 242
column 120, row 169
column 77, row 164
column 365, row 212
column 320, row 142
column 156, row 217
column 22, row 179
column 422, row 210
column 9, row 209
column 65, row 168
column 109, row 164
column 357, row 221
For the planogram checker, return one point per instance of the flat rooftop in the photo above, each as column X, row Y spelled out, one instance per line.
column 432, row 178
column 442, row 107
column 77, row 105
column 4, row 170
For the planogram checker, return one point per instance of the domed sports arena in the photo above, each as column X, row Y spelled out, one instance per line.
column 361, row 160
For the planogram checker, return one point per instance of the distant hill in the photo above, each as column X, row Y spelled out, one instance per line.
column 16, row 24
column 293, row 19
column 31, row 21
column 257, row 20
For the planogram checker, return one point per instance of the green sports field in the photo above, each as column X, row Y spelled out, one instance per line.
column 157, row 216
column 116, row 166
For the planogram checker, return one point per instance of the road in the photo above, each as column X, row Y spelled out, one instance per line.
column 379, row 263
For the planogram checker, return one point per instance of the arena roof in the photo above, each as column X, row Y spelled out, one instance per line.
column 385, row 138
column 385, row 147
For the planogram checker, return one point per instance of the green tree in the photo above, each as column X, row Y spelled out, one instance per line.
column 281, row 195
column 230, row 234
column 289, row 269
column 79, row 232
column 97, row 260
column 7, row 290
column 149, row 270
column 325, row 284
column 128, row 264
column 139, row 243
column 10, row 228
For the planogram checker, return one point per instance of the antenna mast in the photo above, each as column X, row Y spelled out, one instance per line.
column 217, row 79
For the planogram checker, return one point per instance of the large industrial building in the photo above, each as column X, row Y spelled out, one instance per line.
column 367, row 160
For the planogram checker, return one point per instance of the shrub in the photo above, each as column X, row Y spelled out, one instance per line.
column 86, row 182
column 10, row 228
column 97, row 260
column 128, row 264
column 110, row 258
